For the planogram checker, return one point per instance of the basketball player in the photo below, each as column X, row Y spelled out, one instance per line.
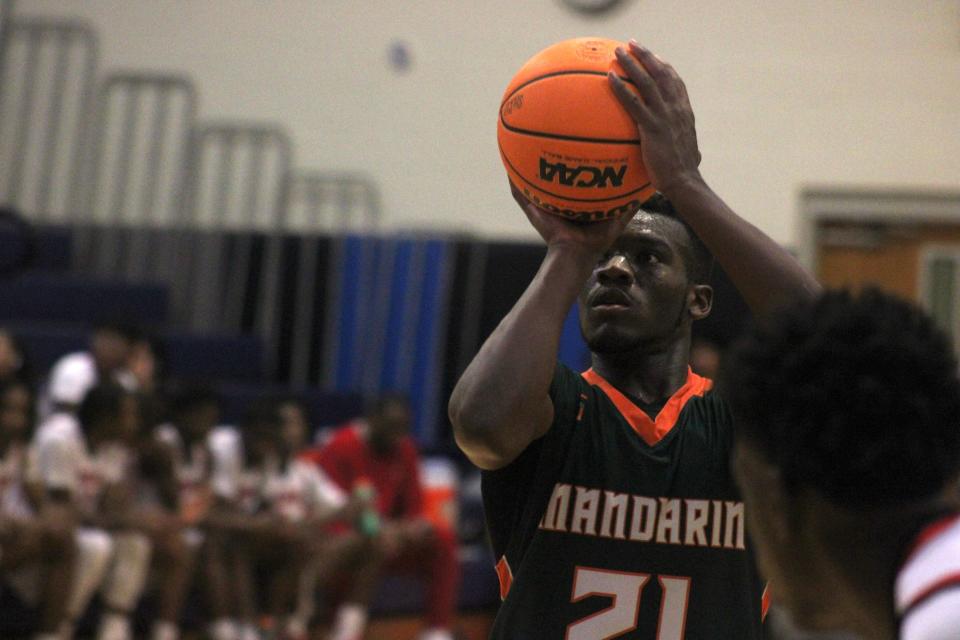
column 608, row 495
column 37, row 550
column 89, row 458
column 848, row 454
column 274, row 511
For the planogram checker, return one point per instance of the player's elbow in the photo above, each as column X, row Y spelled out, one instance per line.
column 479, row 439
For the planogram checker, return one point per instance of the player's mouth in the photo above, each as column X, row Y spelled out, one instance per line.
column 609, row 299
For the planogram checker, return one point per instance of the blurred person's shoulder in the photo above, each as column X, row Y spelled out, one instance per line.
column 225, row 439
column 167, row 434
column 928, row 584
column 71, row 377
column 349, row 435
column 59, row 426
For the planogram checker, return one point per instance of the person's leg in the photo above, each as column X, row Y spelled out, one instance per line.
column 94, row 549
column 45, row 548
column 124, row 586
column 431, row 553
column 358, row 557
column 215, row 570
column 56, row 574
column 175, row 560
column 241, row 558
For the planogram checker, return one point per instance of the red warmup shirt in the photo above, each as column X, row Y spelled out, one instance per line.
column 395, row 476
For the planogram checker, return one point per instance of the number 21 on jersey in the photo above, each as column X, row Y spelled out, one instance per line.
column 626, row 590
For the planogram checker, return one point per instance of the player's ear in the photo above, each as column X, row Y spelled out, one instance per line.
column 700, row 301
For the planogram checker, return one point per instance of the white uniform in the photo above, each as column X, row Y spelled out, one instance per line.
column 294, row 492
column 191, row 466
column 61, row 460
column 927, row 589
column 13, row 498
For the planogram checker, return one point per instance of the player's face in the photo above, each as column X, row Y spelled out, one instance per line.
column 15, row 412
column 110, row 350
column 200, row 420
column 10, row 358
column 639, row 292
column 262, row 443
column 295, row 430
column 389, row 427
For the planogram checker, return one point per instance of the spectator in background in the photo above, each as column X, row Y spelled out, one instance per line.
column 88, row 458
column 380, row 452
column 194, row 412
column 271, row 520
column 346, row 547
column 37, row 550
column 106, row 360
column 13, row 361
column 236, row 524
column 145, row 364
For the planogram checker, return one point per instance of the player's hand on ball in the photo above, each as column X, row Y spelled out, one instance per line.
column 663, row 115
column 557, row 231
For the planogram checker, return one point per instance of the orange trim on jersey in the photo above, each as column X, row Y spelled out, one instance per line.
column 652, row 431
column 765, row 602
column 505, row 575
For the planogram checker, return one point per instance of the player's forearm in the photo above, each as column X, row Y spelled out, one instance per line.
column 764, row 273
column 498, row 406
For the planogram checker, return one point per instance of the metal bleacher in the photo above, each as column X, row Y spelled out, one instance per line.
column 152, row 214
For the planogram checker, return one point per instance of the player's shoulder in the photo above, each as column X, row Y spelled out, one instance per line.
column 347, row 436
column 225, row 440
column 301, row 467
column 61, row 426
column 566, row 379
column 78, row 361
column 928, row 583
column 168, row 435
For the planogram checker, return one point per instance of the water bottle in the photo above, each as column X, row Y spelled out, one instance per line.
column 369, row 521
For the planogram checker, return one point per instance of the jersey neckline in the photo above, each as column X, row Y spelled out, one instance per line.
column 651, row 431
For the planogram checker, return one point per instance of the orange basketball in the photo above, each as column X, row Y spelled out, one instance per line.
column 566, row 141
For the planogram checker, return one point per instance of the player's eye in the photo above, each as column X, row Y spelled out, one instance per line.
column 647, row 258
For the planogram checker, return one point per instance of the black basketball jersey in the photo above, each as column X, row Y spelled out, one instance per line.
column 615, row 525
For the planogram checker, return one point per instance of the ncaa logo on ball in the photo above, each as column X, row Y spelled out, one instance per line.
column 584, row 176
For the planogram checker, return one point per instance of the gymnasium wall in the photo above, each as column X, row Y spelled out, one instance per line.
column 787, row 94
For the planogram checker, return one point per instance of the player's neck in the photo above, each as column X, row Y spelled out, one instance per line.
column 862, row 561
column 649, row 375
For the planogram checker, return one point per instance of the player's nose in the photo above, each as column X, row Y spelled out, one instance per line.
column 615, row 270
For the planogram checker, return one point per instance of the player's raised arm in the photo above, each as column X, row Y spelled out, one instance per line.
column 501, row 403
column 763, row 271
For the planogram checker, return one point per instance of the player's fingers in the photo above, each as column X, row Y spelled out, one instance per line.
column 644, row 82
column 630, row 99
column 664, row 75
column 658, row 68
column 518, row 195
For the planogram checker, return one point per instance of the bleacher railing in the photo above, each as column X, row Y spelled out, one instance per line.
column 155, row 194
column 48, row 79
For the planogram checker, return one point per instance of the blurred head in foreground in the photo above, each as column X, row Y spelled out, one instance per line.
column 848, row 410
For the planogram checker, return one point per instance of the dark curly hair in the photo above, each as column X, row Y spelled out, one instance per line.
column 854, row 396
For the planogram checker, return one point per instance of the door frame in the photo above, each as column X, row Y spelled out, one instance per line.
column 890, row 206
